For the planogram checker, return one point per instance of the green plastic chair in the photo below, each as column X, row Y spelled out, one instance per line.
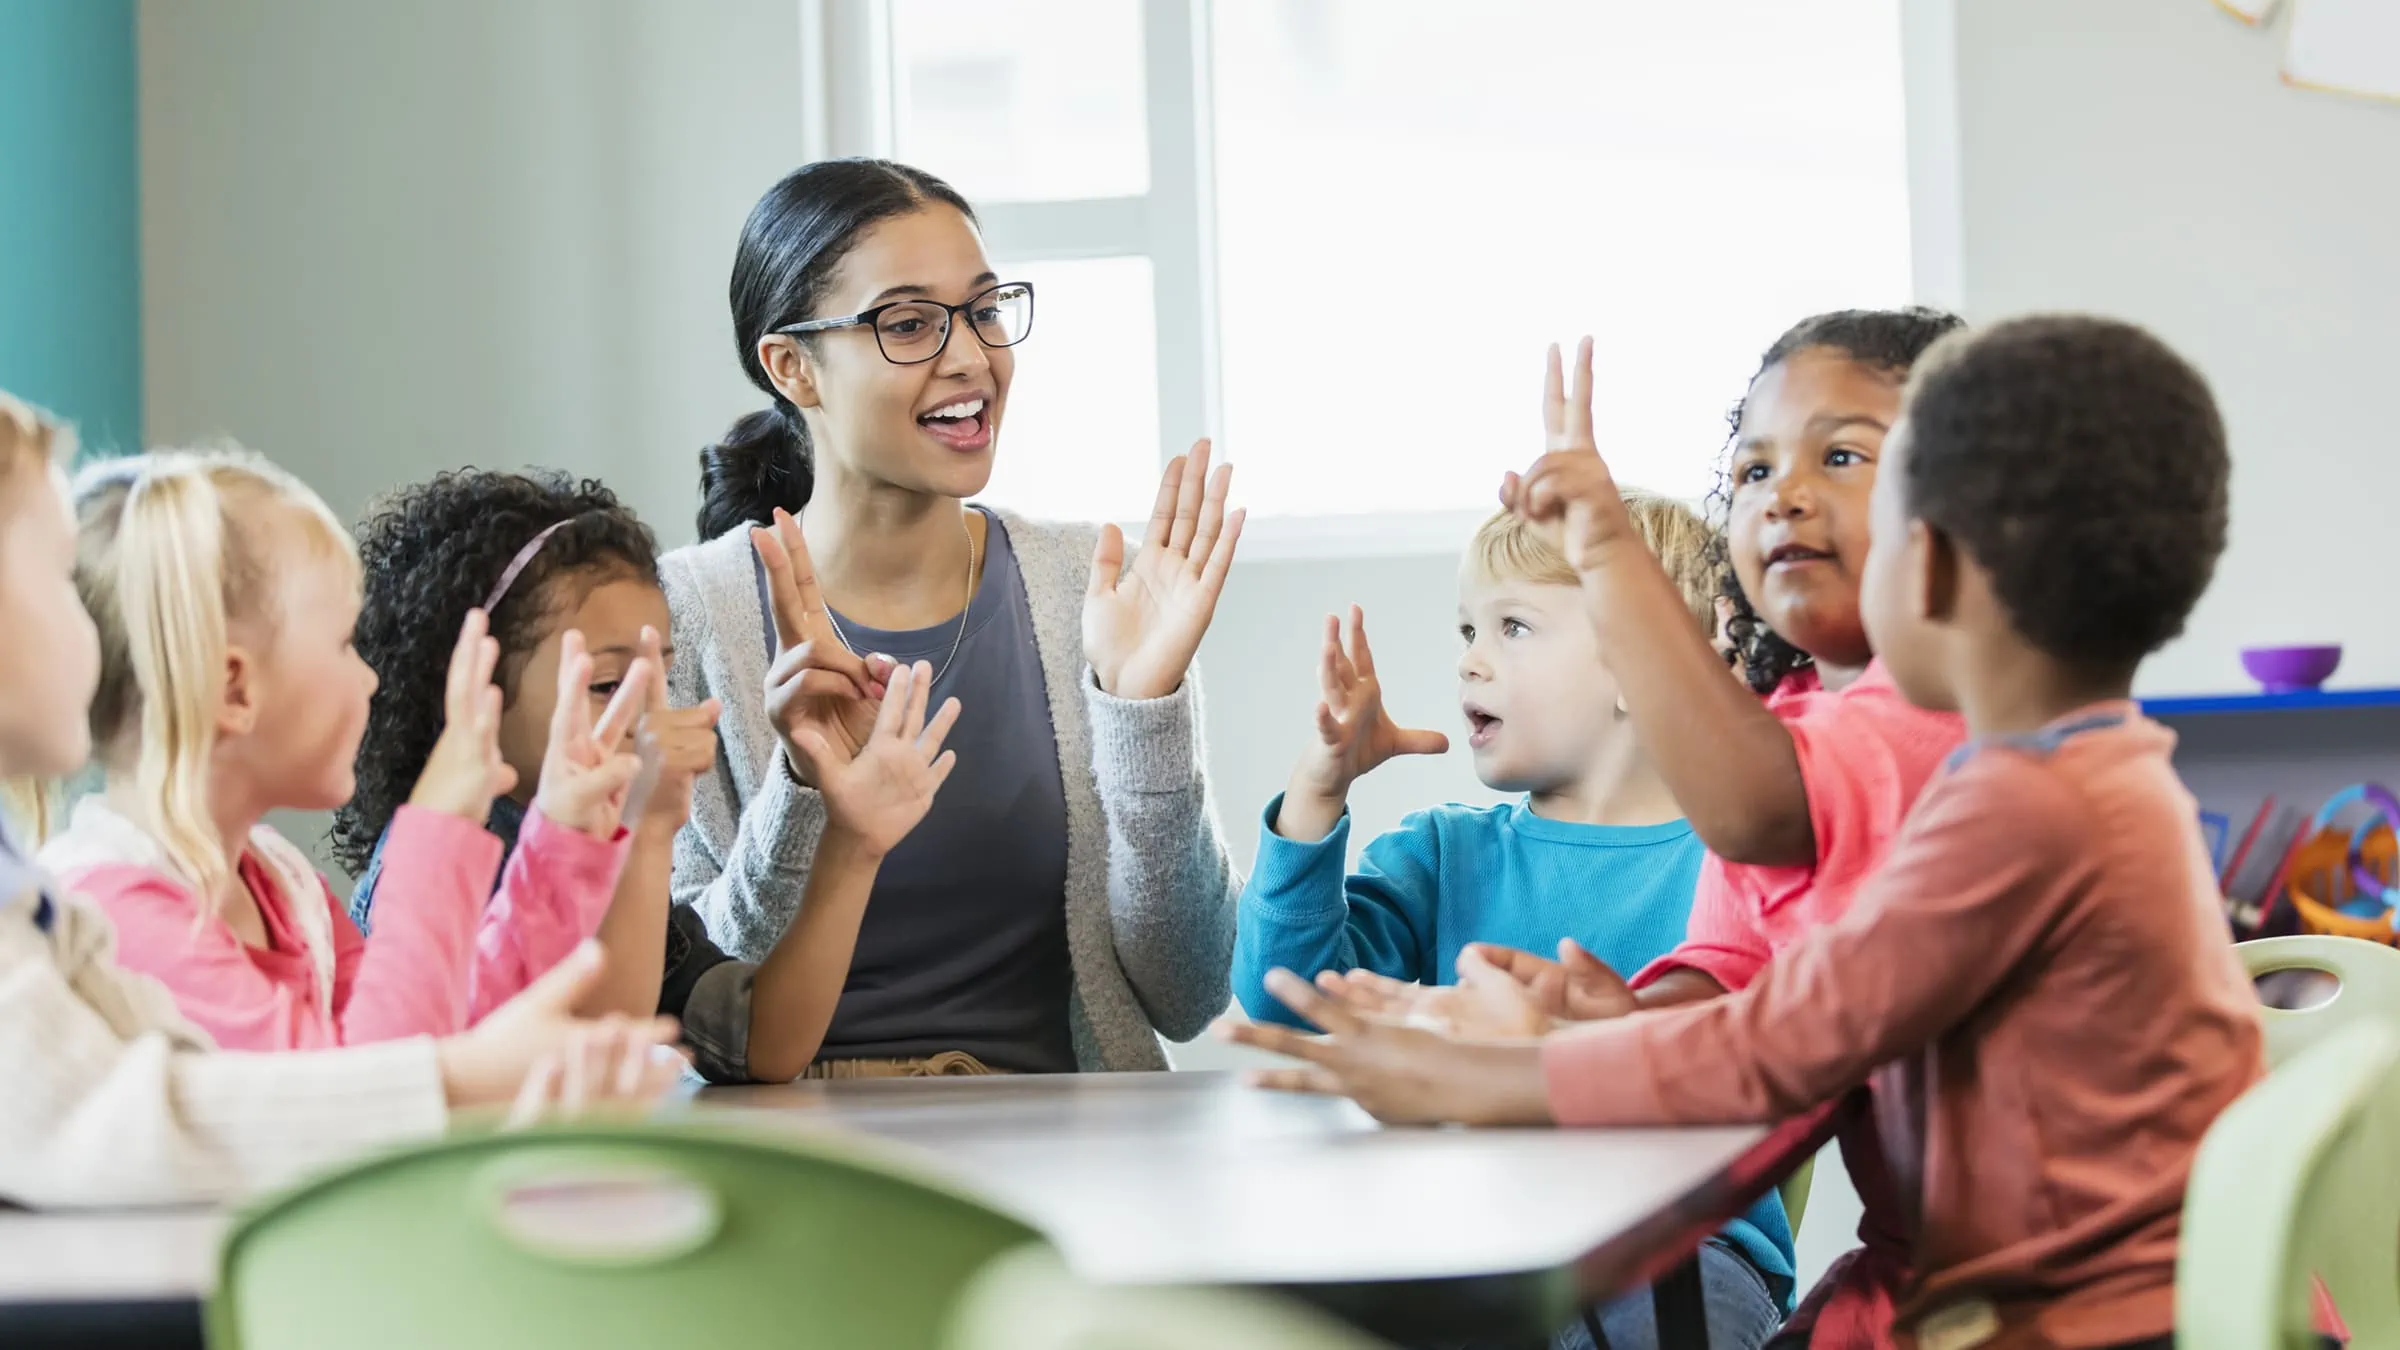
column 1028, row 1300
column 576, row 1236
column 1795, row 1193
column 2369, row 976
column 2297, row 1178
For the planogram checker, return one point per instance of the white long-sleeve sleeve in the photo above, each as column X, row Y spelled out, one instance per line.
column 113, row 1099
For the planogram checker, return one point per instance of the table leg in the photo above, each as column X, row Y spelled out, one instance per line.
column 1681, row 1307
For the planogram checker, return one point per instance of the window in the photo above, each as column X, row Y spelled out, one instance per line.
column 1341, row 232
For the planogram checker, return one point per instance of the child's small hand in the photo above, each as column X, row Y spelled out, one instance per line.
column 1571, row 483
column 1400, row 1074
column 687, row 746
column 1354, row 733
column 465, row 771
column 880, row 792
column 607, row 1068
column 588, row 767
column 1577, row 987
column 1483, row 1005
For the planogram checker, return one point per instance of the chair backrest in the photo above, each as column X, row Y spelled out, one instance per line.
column 2298, row 1177
column 1028, row 1300
column 1794, row 1190
column 681, row 1234
column 2369, row 987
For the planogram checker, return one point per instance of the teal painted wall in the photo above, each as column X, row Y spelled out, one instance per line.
column 70, row 230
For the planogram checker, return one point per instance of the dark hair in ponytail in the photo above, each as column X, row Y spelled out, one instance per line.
column 795, row 237
column 1888, row 340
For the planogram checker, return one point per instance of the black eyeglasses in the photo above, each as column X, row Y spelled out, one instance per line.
column 912, row 332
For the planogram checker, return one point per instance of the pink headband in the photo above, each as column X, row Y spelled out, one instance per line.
column 517, row 564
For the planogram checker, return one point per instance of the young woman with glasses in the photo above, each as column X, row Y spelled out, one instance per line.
column 1068, row 899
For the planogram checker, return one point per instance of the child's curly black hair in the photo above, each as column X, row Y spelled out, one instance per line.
column 1888, row 340
column 2082, row 463
column 432, row 552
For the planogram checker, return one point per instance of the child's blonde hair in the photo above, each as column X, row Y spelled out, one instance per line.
column 1508, row 548
column 174, row 547
column 30, row 439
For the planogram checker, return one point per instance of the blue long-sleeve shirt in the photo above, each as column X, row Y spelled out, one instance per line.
column 1460, row 874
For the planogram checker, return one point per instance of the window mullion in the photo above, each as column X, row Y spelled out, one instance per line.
column 1181, row 219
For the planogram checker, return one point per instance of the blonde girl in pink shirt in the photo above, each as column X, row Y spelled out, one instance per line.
column 225, row 593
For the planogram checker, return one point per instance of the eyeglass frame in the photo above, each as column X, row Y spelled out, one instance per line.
column 866, row 318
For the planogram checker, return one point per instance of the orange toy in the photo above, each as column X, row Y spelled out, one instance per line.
column 2319, row 878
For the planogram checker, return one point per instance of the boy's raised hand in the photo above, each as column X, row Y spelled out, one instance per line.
column 588, row 766
column 465, row 771
column 687, row 746
column 1570, row 483
column 877, row 793
column 815, row 682
column 1354, row 734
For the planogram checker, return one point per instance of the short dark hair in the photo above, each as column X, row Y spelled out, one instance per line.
column 2082, row 463
column 795, row 237
column 1885, row 340
column 433, row 551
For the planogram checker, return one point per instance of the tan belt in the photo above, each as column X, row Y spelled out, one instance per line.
column 948, row 1064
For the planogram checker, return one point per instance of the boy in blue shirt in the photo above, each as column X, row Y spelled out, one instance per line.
column 1596, row 850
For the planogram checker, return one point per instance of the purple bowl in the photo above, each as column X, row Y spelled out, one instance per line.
column 2287, row 670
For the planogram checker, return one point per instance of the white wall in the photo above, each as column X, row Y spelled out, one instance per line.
column 379, row 240
column 385, row 239
column 2142, row 158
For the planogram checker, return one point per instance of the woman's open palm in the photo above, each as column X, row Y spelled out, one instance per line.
column 1143, row 623
column 881, row 789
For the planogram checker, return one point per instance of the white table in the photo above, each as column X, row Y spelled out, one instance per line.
column 1141, row 1178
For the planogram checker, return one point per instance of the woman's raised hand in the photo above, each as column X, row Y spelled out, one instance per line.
column 816, row 682
column 1142, row 624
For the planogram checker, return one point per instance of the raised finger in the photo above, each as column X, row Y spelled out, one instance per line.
column 1554, row 400
column 929, row 741
column 1329, row 656
column 571, row 719
column 1361, row 655
column 1319, row 1011
column 626, row 706
column 892, row 715
column 1579, row 401
column 463, row 654
column 1162, row 513
column 784, row 609
column 1220, row 556
column 1187, row 498
column 1212, row 516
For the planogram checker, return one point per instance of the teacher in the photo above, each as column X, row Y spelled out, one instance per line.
column 1068, row 899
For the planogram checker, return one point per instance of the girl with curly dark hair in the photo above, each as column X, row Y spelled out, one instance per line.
column 567, row 574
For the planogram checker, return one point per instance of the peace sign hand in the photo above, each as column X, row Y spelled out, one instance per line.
column 465, row 771
column 588, row 766
column 1571, row 483
column 816, row 683
column 880, row 791
column 1142, row 625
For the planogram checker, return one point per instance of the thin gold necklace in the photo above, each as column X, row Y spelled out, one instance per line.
column 958, row 638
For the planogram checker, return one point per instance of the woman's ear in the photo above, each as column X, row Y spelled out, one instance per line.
column 789, row 368
column 237, row 706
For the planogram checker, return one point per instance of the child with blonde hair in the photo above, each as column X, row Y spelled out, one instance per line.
column 113, row 1098
column 1595, row 853
column 225, row 594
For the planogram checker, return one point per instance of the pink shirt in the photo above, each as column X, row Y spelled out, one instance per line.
column 441, row 958
column 1865, row 753
column 2041, row 984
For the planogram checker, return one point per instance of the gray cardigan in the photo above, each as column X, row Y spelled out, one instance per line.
column 1150, row 891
